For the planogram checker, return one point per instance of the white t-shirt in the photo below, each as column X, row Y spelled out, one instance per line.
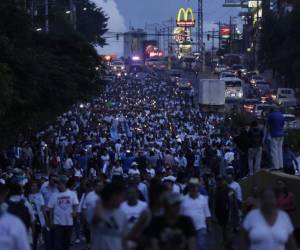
column 262, row 236
column 68, row 164
column 62, row 204
column 89, row 204
column 37, row 202
column 197, row 209
column 13, row 234
column 133, row 212
column 237, row 190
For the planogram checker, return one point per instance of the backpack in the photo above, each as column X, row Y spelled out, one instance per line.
column 256, row 137
column 21, row 211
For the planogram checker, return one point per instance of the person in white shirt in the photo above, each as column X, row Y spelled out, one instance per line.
column 267, row 227
column 235, row 187
column 37, row 202
column 196, row 207
column 13, row 233
column 68, row 165
column 63, row 208
column 133, row 207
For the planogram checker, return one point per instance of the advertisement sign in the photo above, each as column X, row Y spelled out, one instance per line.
column 182, row 35
column 150, row 48
column 254, row 4
column 185, row 18
column 225, row 32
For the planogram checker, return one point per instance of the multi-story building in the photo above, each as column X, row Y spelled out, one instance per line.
column 134, row 43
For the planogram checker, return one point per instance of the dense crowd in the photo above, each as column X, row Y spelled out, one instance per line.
column 140, row 167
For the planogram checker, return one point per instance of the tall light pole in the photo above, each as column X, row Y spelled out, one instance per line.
column 200, row 45
column 46, row 16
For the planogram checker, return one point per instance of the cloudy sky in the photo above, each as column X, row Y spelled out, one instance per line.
column 136, row 13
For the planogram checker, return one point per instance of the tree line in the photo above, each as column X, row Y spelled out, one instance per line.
column 43, row 73
column 280, row 45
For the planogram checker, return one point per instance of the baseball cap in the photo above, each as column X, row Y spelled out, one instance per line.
column 194, row 181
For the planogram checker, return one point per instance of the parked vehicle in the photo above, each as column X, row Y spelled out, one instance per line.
column 249, row 104
column 227, row 74
column 285, row 97
column 262, row 110
column 233, row 88
column 256, row 78
column 211, row 94
column 219, row 68
column 291, row 122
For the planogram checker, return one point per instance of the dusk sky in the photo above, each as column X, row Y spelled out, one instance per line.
column 136, row 13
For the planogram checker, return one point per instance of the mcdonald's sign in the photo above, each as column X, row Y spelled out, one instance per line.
column 185, row 18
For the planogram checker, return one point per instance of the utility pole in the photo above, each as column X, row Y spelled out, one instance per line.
column 73, row 14
column 200, row 45
column 213, row 45
column 46, row 16
column 230, row 38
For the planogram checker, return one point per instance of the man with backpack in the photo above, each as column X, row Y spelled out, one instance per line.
column 255, row 148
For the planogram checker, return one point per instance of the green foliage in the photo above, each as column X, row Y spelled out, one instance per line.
column 293, row 139
column 40, row 73
column 280, row 44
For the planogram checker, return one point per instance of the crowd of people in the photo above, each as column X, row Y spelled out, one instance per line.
column 139, row 168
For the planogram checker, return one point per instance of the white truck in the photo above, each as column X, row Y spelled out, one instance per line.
column 285, row 97
column 211, row 95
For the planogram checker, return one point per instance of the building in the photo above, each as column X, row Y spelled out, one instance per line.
column 134, row 43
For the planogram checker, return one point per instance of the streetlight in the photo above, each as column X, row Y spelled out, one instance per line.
column 68, row 12
column 38, row 29
column 84, row 9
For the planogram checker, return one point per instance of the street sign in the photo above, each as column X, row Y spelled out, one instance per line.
column 233, row 3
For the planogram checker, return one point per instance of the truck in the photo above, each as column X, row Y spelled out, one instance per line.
column 285, row 97
column 211, row 95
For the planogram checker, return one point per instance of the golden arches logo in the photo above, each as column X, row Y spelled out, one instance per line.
column 188, row 19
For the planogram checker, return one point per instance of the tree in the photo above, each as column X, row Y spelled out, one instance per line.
column 40, row 73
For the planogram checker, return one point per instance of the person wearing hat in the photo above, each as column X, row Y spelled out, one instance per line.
column 63, row 206
column 172, row 230
column 195, row 205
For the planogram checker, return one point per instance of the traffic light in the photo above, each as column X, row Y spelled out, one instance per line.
column 224, row 44
column 208, row 37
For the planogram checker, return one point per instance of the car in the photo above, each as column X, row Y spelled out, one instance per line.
column 262, row 110
column 227, row 74
column 256, row 78
column 291, row 122
column 239, row 69
column 249, row 75
column 263, row 86
column 249, row 104
column 184, row 84
column 219, row 68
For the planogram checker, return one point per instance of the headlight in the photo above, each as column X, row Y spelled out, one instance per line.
column 123, row 67
column 115, row 67
column 240, row 94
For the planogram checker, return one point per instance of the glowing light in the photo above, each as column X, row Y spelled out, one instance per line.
column 136, row 58
column 186, row 21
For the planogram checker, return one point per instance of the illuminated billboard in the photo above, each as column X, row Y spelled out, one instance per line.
column 225, row 32
column 185, row 18
column 182, row 35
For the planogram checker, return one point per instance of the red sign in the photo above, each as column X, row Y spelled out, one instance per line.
column 225, row 31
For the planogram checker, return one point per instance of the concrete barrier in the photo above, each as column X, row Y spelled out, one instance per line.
column 266, row 178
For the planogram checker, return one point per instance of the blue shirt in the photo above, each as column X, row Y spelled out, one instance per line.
column 276, row 124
